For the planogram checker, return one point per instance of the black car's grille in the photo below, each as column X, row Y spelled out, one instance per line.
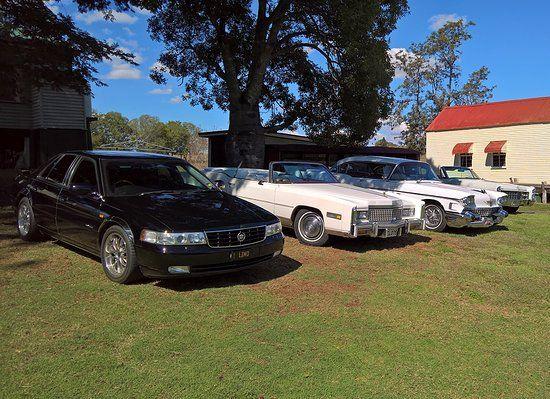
column 517, row 195
column 235, row 238
column 484, row 212
column 384, row 214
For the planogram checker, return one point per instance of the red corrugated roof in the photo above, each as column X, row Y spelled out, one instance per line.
column 502, row 113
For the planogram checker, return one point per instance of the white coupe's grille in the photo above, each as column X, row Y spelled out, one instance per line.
column 517, row 195
column 384, row 214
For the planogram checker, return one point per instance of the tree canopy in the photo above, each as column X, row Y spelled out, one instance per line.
column 48, row 49
column 433, row 80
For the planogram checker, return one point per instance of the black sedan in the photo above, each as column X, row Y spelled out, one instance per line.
column 144, row 214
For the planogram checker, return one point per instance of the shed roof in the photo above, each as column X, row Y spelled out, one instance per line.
column 496, row 114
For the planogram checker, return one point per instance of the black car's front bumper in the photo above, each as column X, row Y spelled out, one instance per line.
column 158, row 261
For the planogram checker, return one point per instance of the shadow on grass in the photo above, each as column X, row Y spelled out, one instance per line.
column 22, row 265
column 364, row 244
column 473, row 232
column 265, row 271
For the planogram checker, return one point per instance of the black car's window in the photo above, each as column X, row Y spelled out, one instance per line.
column 414, row 171
column 58, row 172
column 47, row 169
column 367, row 170
column 85, row 174
column 134, row 177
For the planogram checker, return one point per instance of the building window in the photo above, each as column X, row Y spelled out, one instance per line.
column 499, row 159
column 466, row 160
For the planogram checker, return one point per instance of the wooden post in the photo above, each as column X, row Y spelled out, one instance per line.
column 544, row 197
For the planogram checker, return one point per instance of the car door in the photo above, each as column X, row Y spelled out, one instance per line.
column 45, row 192
column 259, row 192
column 79, row 205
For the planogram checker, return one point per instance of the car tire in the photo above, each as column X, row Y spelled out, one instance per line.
column 511, row 209
column 118, row 256
column 435, row 218
column 26, row 223
column 309, row 227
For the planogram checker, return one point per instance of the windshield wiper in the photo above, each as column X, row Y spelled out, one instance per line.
column 161, row 191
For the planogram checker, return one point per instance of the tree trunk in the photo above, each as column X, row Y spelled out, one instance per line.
column 245, row 142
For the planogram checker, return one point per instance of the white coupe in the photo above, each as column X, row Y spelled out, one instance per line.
column 446, row 205
column 306, row 197
column 516, row 194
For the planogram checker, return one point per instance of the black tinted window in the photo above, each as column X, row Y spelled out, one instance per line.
column 85, row 174
column 60, row 169
column 48, row 168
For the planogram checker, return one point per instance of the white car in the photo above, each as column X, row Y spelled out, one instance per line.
column 445, row 205
column 516, row 194
column 306, row 197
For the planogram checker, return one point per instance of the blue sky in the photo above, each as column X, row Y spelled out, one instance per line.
column 512, row 38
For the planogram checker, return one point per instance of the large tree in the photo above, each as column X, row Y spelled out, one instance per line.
column 322, row 63
column 48, row 49
column 433, row 80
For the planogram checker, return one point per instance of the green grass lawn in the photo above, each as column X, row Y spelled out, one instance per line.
column 462, row 314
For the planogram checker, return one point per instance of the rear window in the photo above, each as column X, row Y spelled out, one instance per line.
column 58, row 172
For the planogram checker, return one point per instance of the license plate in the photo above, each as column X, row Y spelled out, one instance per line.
column 392, row 232
column 238, row 255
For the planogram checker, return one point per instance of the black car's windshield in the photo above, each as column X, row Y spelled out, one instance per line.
column 142, row 176
column 298, row 172
column 460, row 173
column 413, row 171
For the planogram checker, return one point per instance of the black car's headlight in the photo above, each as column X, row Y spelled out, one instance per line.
column 272, row 229
column 164, row 238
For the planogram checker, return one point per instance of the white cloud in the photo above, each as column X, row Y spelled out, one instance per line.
column 167, row 90
column 107, row 31
column 176, row 100
column 96, row 16
column 128, row 31
column 437, row 21
column 142, row 11
column 128, row 43
column 392, row 53
column 158, row 66
column 124, row 71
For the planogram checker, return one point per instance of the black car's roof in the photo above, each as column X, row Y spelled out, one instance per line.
column 122, row 154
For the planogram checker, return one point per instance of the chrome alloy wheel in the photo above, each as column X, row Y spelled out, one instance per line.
column 24, row 218
column 434, row 216
column 115, row 255
column 311, row 226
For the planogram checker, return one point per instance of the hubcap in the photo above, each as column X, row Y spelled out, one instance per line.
column 24, row 219
column 114, row 253
column 434, row 216
column 311, row 226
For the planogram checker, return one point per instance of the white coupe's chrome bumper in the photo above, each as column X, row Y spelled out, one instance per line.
column 387, row 229
column 472, row 219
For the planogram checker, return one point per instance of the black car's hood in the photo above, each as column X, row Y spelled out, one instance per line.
column 193, row 210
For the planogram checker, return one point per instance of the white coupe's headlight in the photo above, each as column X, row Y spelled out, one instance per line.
column 500, row 200
column 362, row 216
column 407, row 212
column 468, row 202
column 163, row 238
column 272, row 229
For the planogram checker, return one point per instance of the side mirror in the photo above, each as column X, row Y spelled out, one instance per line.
column 220, row 184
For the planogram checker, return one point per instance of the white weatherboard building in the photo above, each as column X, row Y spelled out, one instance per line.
column 499, row 141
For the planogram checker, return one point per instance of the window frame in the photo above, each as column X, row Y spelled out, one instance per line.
column 75, row 166
column 63, row 182
column 467, row 156
column 500, row 156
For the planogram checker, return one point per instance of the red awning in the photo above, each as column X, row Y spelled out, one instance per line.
column 495, row 146
column 462, row 148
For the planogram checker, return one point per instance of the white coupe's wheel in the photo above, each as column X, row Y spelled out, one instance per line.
column 435, row 217
column 310, row 228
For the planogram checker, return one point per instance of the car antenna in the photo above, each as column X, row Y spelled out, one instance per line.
column 237, row 170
